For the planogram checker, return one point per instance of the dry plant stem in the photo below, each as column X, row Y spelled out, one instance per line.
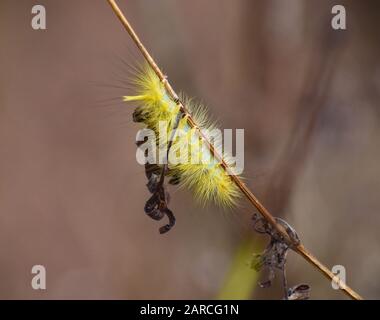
column 299, row 248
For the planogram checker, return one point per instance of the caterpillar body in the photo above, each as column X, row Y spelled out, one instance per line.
column 202, row 172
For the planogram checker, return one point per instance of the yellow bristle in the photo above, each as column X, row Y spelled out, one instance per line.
column 208, row 181
column 151, row 95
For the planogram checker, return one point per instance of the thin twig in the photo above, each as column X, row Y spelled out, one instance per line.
column 285, row 284
column 299, row 248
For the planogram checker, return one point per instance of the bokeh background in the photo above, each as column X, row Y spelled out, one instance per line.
column 72, row 194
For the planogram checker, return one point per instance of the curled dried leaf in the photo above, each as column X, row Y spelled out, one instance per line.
column 299, row 292
column 156, row 207
column 274, row 256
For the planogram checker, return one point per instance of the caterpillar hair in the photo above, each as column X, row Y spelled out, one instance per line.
column 207, row 179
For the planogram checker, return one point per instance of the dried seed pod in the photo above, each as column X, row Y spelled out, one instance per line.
column 152, row 169
column 171, row 223
column 153, row 183
column 152, row 203
column 156, row 214
column 274, row 256
column 157, row 205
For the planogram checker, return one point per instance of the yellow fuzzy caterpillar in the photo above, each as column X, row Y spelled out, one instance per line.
column 201, row 173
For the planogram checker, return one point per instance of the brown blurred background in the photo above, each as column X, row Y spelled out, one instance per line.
column 72, row 194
